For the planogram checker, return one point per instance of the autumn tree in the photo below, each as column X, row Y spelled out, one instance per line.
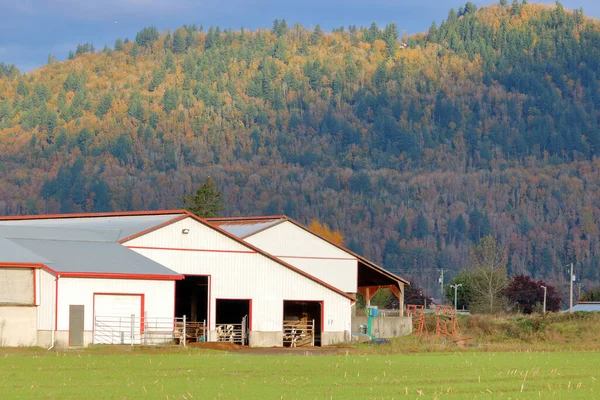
column 527, row 295
column 489, row 279
column 326, row 232
column 415, row 294
column 206, row 202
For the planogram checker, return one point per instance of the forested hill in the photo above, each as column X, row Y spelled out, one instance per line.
column 414, row 148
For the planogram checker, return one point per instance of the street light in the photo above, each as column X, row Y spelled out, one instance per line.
column 544, row 287
column 456, row 293
column 571, row 280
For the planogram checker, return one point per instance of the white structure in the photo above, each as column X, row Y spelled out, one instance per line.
column 60, row 275
column 293, row 243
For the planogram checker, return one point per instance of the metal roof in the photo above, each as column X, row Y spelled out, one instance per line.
column 81, row 244
column 91, row 257
column 589, row 306
column 242, row 228
column 11, row 252
column 111, row 227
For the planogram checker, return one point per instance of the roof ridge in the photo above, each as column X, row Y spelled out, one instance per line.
column 248, row 218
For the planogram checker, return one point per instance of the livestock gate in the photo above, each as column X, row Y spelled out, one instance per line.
column 298, row 333
column 134, row 330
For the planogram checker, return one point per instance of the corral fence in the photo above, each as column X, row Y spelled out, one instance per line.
column 133, row 330
column 299, row 333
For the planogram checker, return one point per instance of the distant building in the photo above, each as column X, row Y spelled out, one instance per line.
column 586, row 306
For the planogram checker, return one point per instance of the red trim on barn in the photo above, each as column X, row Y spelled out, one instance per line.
column 185, row 249
column 56, row 302
column 34, row 286
column 97, row 275
column 92, row 215
column 106, row 275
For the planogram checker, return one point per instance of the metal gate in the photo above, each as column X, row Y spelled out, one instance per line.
column 299, row 333
column 233, row 333
column 146, row 330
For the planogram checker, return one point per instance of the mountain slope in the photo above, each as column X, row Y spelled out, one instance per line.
column 486, row 124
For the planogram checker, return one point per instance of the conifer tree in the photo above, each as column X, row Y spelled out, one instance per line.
column 206, row 202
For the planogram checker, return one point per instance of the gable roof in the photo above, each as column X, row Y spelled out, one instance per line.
column 204, row 221
column 261, row 223
column 83, row 245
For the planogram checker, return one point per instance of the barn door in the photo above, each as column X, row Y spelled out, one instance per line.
column 75, row 325
column 118, row 318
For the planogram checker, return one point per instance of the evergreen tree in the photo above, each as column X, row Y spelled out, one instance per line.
column 206, row 202
column 179, row 45
column 420, row 229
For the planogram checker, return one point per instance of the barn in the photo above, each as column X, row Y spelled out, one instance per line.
column 139, row 277
column 290, row 241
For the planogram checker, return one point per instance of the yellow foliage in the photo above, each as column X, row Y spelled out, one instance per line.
column 324, row 231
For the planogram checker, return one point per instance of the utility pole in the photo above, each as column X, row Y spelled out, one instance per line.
column 442, row 284
column 544, row 287
column 456, row 294
column 571, row 278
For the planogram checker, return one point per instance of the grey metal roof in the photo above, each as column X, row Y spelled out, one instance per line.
column 111, row 227
column 91, row 257
column 12, row 252
column 244, row 228
column 54, row 233
column 82, row 244
column 586, row 307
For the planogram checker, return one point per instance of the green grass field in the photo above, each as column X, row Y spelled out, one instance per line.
column 197, row 374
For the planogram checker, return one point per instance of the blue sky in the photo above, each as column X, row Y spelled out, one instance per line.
column 30, row 29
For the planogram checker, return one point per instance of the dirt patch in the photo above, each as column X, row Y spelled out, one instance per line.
column 223, row 346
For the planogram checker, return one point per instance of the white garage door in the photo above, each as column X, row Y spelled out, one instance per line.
column 117, row 318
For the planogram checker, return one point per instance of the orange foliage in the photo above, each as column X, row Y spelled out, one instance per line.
column 323, row 230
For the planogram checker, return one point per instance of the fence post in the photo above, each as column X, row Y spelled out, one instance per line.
column 145, row 326
column 132, row 328
column 184, row 331
column 313, row 333
column 204, row 333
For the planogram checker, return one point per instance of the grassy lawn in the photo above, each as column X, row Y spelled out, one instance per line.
column 201, row 374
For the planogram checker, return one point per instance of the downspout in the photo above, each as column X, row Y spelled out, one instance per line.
column 55, row 310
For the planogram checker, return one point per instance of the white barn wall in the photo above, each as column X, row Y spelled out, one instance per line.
column 158, row 300
column 46, row 286
column 237, row 272
column 310, row 253
column 17, row 326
